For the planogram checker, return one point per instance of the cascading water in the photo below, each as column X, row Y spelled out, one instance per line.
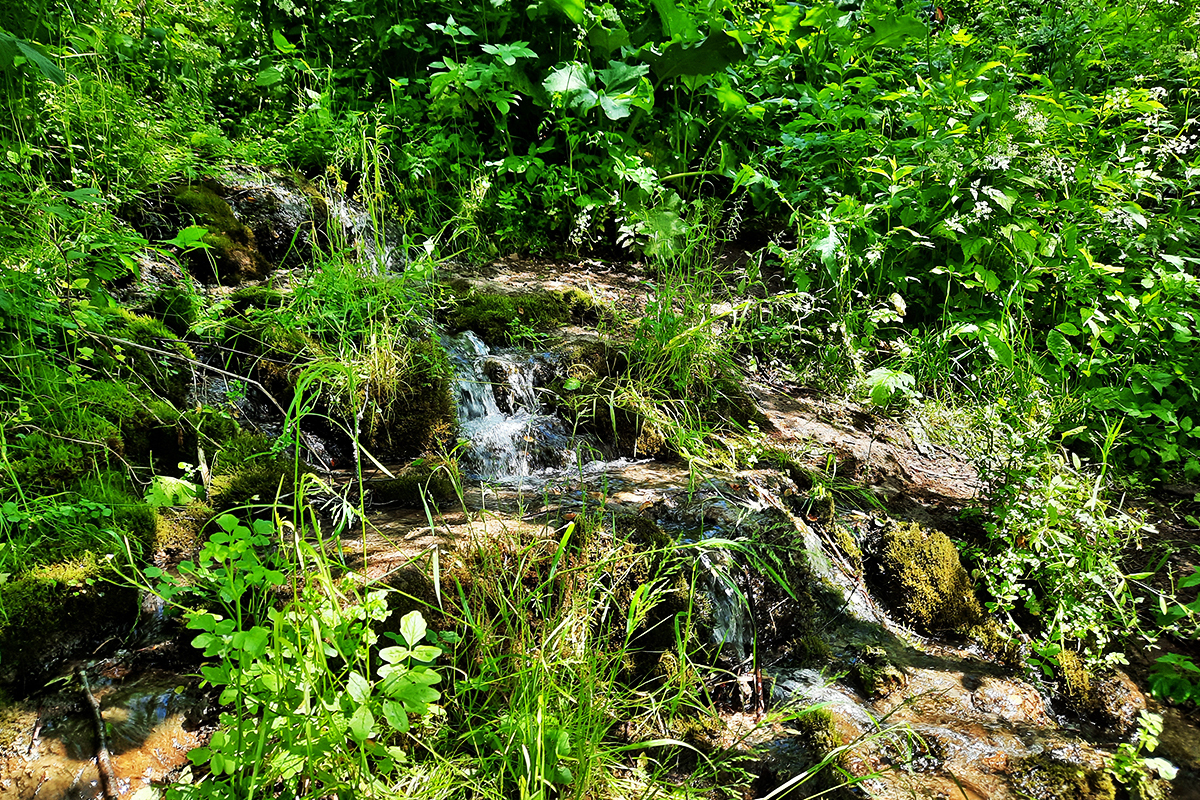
column 501, row 415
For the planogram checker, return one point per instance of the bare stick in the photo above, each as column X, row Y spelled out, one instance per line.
column 108, row 781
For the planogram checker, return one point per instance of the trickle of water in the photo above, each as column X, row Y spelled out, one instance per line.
column 500, row 414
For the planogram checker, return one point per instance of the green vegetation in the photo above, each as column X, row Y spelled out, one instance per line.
column 982, row 216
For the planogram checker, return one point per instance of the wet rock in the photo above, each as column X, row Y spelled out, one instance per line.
column 287, row 217
column 1119, row 702
column 1010, row 701
column 875, row 673
column 1049, row 778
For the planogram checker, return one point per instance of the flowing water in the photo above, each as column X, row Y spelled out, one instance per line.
column 509, row 432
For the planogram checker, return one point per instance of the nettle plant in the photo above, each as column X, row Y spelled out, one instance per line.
column 310, row 700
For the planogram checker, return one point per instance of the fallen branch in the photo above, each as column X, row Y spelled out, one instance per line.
column 108, row 781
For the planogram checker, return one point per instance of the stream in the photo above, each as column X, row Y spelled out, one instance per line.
column 935, row 717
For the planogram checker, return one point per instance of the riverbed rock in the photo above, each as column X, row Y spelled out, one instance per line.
column 1119, row 701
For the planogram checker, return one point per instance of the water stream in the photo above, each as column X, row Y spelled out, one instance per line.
column 508, row 431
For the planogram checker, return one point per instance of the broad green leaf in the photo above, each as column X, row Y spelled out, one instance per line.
column 395, row 714
column 892, row 31
column 999, row 350
column 827, row 247
column 358, row 687
column 413, row 628
column 1060, row 348
column 615, row 107
column 620, row 77
column 677, row 24
column 710, row 57
column 165, row 492
column 362, row 722
column 33, row 53
column 281, row 43
column 574, row 10
column 269, row 77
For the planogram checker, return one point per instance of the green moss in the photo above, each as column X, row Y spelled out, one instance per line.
column 642, row 531
column 817, row 730
column 177, row 307
column 497, row 318
column 846, row 543
column 166, row 376
column 437, row 479
column 246, row 470
column 231, row 256
column 79, row 595
column 1044, row 777
column 260, row 297
column 1075, row 686
column 419, row 417
column 918, row 573
column 874, row 672
column 180, row 529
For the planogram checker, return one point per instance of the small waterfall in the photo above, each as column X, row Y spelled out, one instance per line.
column 500, row 413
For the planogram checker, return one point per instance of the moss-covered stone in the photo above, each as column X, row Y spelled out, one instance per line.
column 177, row 307
column 1075, row 686
column 1044, row 777
column 180, row 530
column 167, row 376
column 246, row 469
column 817, row 730
column 232, row 255
column 502, row 318
column 917, row 572
column 433, row 478
column 51, row 605
column 874, row 672
column 415, row 415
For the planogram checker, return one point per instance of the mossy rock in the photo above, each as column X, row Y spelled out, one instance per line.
column 502, row 318
column 248, row 470
column 817, row 730
column 260, row 297
column 874, row 672
column 168, row 377
column 177, row 307
column 917, row 572
column 180, row 530
column 1075, row 686
column 53, row 610
column 419, row 417
column 1044, row 777
column 434, row 479
column 231, row 255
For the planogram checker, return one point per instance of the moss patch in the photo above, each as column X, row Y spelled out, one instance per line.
column 1046, row 778
column 178, row 530
column 917, row 571
column 415, row 415
column 1076, row 682
column 437, row 479
column 502, row 318
column 246, row 469
column 231, row 246
column 49, row 600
